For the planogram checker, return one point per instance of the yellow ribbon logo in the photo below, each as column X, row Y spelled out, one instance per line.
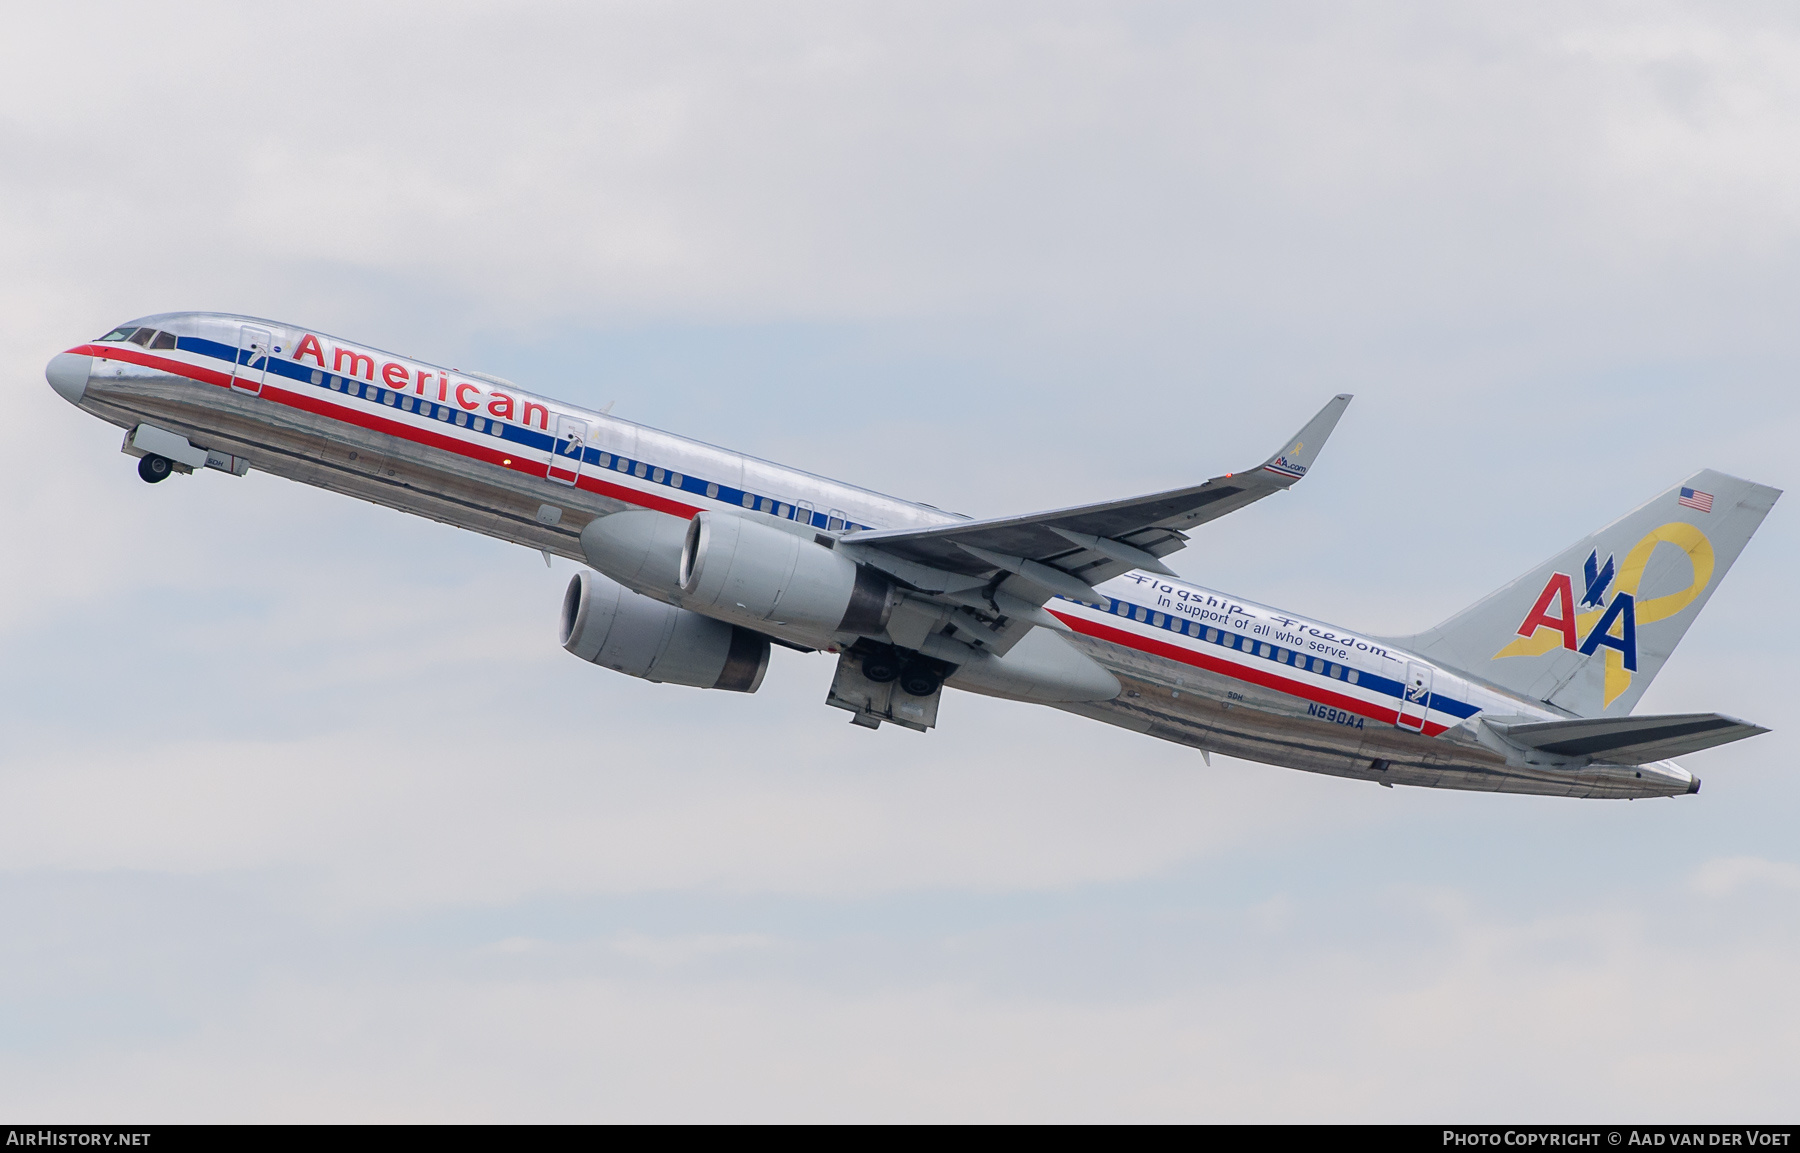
column 1685, row 537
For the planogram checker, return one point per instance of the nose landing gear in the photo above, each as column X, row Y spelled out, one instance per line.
column 154, row 468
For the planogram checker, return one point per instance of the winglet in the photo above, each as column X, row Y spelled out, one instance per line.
column 1297, row 455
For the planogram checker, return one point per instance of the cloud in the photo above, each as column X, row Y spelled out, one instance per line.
column 1730, row 876
column 1401, row 1004
column 303, row 815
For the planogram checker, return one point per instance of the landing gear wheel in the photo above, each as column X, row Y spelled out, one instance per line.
column 919, row 681
column 881, row 666
column 154, row 468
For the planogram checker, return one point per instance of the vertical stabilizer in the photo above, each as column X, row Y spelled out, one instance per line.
column 1590, row 628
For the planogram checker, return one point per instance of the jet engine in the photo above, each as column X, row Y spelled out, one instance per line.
column 739, row 569
column 639, row 548
column 612, row 626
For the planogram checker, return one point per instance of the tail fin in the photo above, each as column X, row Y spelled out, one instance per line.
column 1590, row 628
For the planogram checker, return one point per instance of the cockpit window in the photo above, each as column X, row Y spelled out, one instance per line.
column 163, row 340
column 142, row 336
column 118, row 334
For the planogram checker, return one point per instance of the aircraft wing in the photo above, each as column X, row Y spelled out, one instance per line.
column 1067, row 551
column 1632, row 740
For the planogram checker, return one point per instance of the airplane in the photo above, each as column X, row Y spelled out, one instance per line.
column 699, row 559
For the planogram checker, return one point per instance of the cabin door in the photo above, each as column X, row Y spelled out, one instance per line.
column 255, row 345
column 1415, row 697
column 568, row 450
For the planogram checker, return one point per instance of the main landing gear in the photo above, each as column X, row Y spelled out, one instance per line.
column 878, row 682
column 919, row 675
column 154, row 468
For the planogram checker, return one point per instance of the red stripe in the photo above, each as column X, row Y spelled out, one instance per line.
column 148, row 360
column 322, row 406
column 1255, row 676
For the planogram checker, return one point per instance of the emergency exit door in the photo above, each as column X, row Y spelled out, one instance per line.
column 1415, row 697
column 568, row 450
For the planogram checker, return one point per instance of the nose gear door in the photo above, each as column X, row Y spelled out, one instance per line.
column 255, row 345
column 568, row 451
column 1415, row 697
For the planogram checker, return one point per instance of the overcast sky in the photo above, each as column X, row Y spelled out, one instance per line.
column 305, row 816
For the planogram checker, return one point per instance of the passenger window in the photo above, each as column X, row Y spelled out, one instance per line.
column 462, row 420
column 641, row 470
column 767, row 504
column 1212, row 636
column 657, row 475
column 142, row 336
column 318, row 377
column 1159, row 620
column 712, row 490
column 621, row 464
column 387, row 398
column 676, row 479
column 1353, row 676
column 406, row 403
column 749, row 501
column 167, row 340
column 337, row 385
column 1337, row 673
column 606, row 460
column 444, row 412
column 481, row 424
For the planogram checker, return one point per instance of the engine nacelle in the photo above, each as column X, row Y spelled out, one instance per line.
column 736, row 568
column 639, row 548
column 612, row 626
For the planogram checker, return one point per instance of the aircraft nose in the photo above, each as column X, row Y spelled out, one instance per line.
column 67, row 373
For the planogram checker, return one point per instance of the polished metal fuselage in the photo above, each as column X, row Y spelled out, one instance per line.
column 1199, row 668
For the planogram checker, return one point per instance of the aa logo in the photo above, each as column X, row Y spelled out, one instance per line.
column 1594, row 623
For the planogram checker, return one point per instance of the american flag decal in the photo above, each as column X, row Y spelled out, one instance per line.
column 1695, row 499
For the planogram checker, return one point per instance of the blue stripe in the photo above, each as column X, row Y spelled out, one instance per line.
column 1385, row 686
column 521, row 435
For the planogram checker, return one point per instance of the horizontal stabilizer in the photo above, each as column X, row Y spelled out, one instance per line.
column 1630, row 740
